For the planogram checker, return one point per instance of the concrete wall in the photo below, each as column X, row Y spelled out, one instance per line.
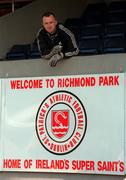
column 76, row 65
column 45, row 176
column 22, row 26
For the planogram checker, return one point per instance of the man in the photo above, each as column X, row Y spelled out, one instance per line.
column 55, row 42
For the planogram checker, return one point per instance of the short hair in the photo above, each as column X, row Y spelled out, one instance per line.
column 47, row 14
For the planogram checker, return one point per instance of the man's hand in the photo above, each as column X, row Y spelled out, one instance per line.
column 56, row 50
column 54, row 59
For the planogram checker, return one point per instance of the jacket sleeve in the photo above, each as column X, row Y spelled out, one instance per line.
column 71, row 45
column 42, row 46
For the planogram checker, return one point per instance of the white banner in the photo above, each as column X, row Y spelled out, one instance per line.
column 1, row 128
column 72, row 124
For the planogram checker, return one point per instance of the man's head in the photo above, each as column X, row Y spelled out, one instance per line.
column 49, row 22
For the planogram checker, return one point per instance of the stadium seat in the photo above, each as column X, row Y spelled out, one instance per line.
column 95, row 9
column 115, row 18
column 34, row 52
column 114, row 45
column 115, row 30
column 116, row 10
column 93, row 20
column 91, row 31
column 74, row 25
column 73, row 22
column 94, row 14
column 117, row 6
column 89, row 46
column 18, row 52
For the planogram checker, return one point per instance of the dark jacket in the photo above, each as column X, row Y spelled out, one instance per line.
column 62, row 36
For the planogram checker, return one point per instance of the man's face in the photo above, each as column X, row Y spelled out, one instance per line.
column 49, row 23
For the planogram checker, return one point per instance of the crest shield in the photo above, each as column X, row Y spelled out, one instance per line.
column 60, row 122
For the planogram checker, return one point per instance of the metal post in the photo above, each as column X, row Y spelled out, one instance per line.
column 13, row 8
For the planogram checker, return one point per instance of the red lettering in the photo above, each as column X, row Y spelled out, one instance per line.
column 111, row 166
column 12, row 163
column 83, row 165
column 109, row 81
column 77, row 82
column 26, row 84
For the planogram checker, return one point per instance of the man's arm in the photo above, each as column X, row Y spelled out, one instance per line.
column 42, row 46
column 72, row 48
